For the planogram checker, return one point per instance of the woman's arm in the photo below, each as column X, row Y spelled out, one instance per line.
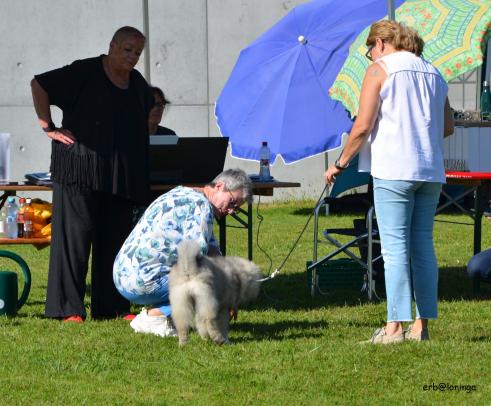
column 367, row 114
column 448, row 128
column 42, row 106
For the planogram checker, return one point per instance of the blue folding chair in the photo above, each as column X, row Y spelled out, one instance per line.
column 364, row 232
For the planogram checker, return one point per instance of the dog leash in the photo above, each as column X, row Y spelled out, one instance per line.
column 278, row 270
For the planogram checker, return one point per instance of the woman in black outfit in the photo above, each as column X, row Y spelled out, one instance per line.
column 155, row 116
column 99, row 168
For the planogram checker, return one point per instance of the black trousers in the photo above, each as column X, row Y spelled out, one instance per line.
column 83, row 220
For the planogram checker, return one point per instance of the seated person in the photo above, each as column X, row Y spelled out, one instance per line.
column 155, row 115
column 479, row 266
column 143, row 264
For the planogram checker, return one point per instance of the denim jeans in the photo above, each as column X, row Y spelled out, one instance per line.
column 158, row 298
column 480, row 266
column 405, row 216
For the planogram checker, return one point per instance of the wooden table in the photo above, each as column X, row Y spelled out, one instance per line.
column 11, row 190
column 259, row 189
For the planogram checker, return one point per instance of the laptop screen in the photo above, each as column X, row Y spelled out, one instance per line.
column 190, row 160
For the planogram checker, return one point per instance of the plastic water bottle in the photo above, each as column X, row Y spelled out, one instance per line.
column 264, row 154
column 485, row 101
column 3, row 217
column 28, row 215
column 11, row 218
column 20, row 218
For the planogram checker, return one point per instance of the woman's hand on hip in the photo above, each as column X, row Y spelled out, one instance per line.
column 62, row 135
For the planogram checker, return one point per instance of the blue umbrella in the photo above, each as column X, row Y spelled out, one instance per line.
column 278, row 89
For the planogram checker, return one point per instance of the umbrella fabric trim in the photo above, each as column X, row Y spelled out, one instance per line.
column 469, row 18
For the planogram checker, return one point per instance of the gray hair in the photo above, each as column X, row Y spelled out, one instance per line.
column 235, row 179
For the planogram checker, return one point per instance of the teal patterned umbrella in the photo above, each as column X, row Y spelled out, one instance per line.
column 455, row 34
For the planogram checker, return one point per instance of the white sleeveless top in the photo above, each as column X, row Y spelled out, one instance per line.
column 406, row 142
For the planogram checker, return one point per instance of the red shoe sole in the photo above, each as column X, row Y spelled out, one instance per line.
column 129, row 317
column 73, row 319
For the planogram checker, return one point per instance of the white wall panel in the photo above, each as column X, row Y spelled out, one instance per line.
column 187, row 121
column 178, row 49
column 41, row 35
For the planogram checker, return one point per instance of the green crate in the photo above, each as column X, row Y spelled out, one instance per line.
column 337, row 274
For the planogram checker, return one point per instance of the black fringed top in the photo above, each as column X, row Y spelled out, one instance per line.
column 110, row 126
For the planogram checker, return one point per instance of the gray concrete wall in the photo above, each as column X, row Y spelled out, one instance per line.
column 192, row 48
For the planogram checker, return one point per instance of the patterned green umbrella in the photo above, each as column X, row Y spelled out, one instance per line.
column 455, row 34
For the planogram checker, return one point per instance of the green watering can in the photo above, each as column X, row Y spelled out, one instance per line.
column 9, row 304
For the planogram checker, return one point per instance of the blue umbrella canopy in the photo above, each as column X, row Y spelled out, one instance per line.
column 278, row 89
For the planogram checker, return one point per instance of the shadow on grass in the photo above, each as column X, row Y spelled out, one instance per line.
column 291, row 292
column 279, row 330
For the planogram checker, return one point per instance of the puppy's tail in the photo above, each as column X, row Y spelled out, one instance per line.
column 188, row 257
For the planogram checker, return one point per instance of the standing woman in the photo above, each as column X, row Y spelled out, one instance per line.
column 99, row 170
column 403, row 117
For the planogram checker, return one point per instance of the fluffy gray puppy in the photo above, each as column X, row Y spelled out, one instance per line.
column 203, row 290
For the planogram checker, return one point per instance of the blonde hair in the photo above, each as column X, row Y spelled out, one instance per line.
column 399, row 35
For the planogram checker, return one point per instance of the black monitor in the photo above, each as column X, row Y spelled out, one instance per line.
column 182, row 160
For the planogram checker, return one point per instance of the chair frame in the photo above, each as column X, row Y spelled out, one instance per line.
column 370, row 236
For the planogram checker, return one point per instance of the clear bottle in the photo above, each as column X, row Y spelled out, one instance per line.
column 20, row 218
column 485, row 101
column 264, row 154
column 11, row 219
column 3, row 217
column 28, row 217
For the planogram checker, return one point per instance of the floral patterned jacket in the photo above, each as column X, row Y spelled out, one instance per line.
column 150, row 251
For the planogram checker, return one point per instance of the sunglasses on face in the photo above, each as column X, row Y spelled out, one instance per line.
column 368, row 53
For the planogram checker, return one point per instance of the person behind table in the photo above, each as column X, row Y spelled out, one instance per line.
column 99, row 170
column 142, row 266
column 404, row 115
column 155, row 116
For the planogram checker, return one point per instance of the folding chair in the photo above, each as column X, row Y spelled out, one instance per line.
column 364, row 232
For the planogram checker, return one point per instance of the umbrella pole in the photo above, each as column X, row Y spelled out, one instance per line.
column 390, row 10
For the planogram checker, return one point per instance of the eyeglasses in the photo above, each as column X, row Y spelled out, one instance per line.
column 368, row 53
column 159, row 104
column 232, row 204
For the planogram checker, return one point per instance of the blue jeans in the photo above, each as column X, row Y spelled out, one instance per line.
column 480, row 266
column 158, row 298
column 405, row 216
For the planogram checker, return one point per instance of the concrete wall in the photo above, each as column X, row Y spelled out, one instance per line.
column 192, row 48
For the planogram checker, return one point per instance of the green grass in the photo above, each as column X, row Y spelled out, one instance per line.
column 288, row 348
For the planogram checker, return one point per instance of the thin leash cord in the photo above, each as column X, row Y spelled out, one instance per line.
column 261, row 218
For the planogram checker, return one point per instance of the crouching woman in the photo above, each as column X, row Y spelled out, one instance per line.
column 143, row 264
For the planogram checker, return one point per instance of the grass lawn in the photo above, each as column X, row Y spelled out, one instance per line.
column 288, row 348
